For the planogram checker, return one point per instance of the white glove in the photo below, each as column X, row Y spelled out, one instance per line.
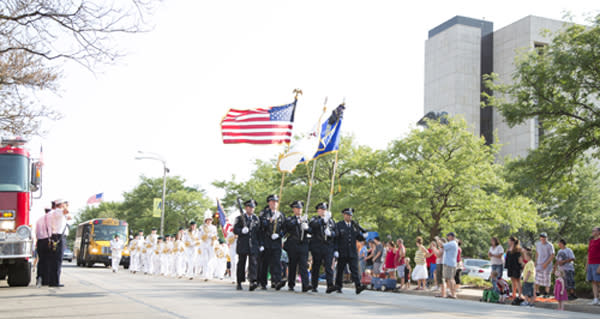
column 336, row 254
column 327, row 232
column 305, row 226
column 274, row 236
column 327, row 216
column 245, row 230
column 261, row 248
column 365, row 235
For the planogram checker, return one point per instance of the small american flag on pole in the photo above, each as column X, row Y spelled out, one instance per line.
column 271, row 125
column 95, row 198
column 225, row 225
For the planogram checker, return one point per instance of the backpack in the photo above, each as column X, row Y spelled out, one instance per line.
column 490, row 295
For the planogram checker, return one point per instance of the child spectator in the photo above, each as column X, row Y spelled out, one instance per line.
column 431, row 263
column 407, row 272
column 560, row 290
column 528, row 279
column 564, row 261
column 390, row 260
column 503, row 288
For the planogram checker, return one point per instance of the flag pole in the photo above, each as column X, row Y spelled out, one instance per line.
column 312, row 175
column 296, row 92
column 335, row 164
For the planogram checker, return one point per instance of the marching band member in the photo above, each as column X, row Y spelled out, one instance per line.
column 272, row 221
column 322, row 245
column 165, row 253
column 191, row 241
column 247, row 229
column 140, row 248
column 157, row 250
column 150, row 242
column 348, row 232
column 116, row 247
column 296, row 246
column 180, row 253
column 219, row 265
column 133, row 255
column 208, row 237
column 233, row 257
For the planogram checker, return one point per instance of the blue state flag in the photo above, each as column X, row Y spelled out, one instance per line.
column 329, row 141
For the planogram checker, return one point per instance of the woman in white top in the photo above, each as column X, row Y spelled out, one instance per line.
column 496, row 254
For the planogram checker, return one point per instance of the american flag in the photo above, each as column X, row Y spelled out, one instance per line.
column 95, row 198
column 225, row 225
column 259, row 126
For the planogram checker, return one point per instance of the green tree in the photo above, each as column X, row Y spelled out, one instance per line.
column 182, row 204
column 443, row 178
column 559, row 85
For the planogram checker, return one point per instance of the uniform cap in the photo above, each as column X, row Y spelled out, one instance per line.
column 59, row 201
column 451, row 234
column 159, row 237
column 207, row 214
column 154, row 228
column 297, row 204
column 272, row 197
column 181, row 228
column 322, row 205
column 544, row 235
column 193, row 222
column 348, row 211
column 250, row 203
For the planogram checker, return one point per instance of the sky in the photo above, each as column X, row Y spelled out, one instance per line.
column 169, row 93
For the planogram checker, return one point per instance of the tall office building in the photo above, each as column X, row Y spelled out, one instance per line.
column 459, row 52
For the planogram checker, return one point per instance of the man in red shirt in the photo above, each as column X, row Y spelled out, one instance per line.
column 593, row 264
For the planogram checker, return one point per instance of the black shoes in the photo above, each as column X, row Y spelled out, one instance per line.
column 314, row 290
column 239, row 287
column 360, row 288
column 290, row 288
column 263, row 287
column 330, row 289
column 307, row 288
column 279, row 285
column 253, row 286
column 59, row 285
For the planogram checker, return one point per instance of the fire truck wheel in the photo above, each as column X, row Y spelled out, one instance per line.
column 19, row 275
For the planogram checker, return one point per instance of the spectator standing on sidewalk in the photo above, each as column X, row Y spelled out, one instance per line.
column 401, row 262
column 362, row 257
column 377, row 254
column 593, row 264
column 449, row 259
column 564, row 260
column 439, row 265
column 495, row 254
column 431, row 264
column 543, row 271
column 459, row 265
column 420, row 272
column 514, row 262
column 390, row 259
column 528, row 279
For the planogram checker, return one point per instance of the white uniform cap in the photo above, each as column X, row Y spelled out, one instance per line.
column 207, row 214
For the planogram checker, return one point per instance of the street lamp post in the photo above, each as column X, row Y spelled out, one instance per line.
column 159, row 158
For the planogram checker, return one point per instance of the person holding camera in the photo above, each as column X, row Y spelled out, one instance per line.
column 58, row 226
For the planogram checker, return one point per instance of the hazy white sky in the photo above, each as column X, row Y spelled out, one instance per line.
column 169, row 93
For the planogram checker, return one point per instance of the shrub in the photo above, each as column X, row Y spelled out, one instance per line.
column 475, row 281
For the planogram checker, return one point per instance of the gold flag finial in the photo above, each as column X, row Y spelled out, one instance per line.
column 297, row 92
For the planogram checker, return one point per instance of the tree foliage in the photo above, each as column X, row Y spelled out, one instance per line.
column 36, row 34
column 559, row 85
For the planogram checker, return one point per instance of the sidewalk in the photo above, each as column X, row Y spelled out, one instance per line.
column 474, row 294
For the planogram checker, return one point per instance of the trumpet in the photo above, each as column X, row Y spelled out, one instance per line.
column 187, row 244
column 204, row 237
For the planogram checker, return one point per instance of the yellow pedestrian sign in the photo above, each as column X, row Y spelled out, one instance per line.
column 157, row 208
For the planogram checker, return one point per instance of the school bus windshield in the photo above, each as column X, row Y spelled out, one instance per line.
column 107, row 232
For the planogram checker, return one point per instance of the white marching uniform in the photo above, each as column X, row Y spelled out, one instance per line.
column 148, row 250
column 233, row 256
column 116, row 247
column 157, row 249
column 165, row 253
column 179, row 267
column 191, row 242
column 219, row 263
column 134, row 253
column 208, row 236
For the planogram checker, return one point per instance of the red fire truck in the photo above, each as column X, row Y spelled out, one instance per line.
column 20, row 176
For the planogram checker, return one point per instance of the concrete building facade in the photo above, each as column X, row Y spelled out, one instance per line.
column 459, row 52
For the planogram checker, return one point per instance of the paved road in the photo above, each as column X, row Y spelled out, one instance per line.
column 98, row 293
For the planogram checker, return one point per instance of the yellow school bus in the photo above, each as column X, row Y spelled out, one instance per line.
column 92, row 241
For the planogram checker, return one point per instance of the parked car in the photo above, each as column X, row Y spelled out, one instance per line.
column 68, row 254
column 480, row 268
